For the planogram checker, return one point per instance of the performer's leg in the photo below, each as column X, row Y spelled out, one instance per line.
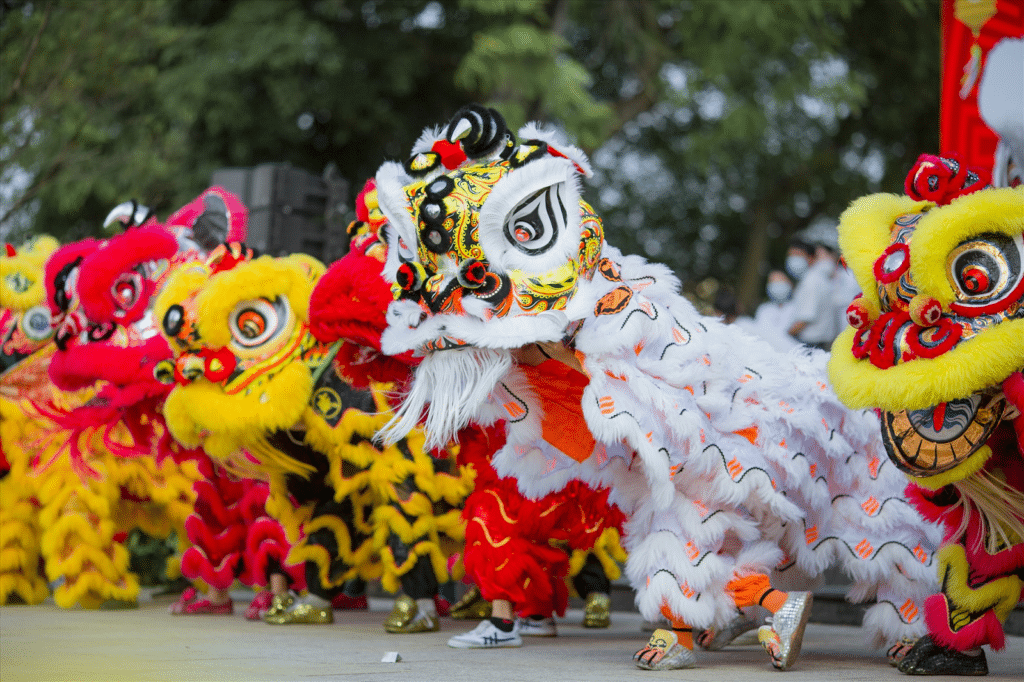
column 668, row 649
column 328, row 552
column 415, row 611
column 967, row 614
column 593, row 585
column 790, row 611
column 278, row 583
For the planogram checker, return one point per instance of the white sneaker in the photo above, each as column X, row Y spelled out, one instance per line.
column 486, row 636
column 528, row 627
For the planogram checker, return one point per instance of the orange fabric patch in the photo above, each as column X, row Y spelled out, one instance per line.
column 750, row 433
column 560, row 390
column 864, row 549
column 909, row 611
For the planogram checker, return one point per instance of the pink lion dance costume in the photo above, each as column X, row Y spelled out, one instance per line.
column 119, row 454
column 727, row 459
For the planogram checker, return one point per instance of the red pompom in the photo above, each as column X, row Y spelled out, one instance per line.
column 857, row 314
column 218, row 364
column 942, row 179
column 925, row 311
column 451, row 154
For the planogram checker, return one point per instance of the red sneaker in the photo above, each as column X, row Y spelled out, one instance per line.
column 203, row 606
column 343, row 601
column 443, row 606
column 187, row 597
column 259, row 605
column 190, row 604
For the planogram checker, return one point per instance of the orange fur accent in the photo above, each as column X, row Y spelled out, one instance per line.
column 748, row 590
column 774, row 600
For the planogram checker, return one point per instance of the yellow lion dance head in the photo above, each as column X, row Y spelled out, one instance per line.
column 244, row 356
column 937, row 339
column 24, row 315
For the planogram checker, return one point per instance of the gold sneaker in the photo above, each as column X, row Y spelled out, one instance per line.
column 278, row 605
column 472, row 606
column 597, row 612
column 406, row 617
column 304, row 614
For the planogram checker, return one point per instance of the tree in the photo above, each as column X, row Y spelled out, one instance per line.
column 78, row 108
column 766, row 116
column 720, row 128
column 112, row 99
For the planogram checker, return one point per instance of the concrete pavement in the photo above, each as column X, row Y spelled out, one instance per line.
column 44, row 643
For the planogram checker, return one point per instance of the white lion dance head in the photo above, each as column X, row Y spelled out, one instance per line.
column 489, row 241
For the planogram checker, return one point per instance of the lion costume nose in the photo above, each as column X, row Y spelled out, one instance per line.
column 190, row 367
column 925, row 311
column 164, row 372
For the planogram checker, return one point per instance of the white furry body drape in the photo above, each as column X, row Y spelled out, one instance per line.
column 727, row 458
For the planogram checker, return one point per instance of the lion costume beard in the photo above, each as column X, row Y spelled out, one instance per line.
column 455, row 384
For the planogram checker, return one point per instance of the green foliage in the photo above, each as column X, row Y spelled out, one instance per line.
column 769, row 115
column 523, row 68
column 145, row 99
column 78, row 104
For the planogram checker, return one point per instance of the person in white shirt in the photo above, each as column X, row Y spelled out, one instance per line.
column 844, row 290
column 814, row 321
column 775, row 316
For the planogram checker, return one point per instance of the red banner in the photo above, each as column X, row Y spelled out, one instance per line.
column 970, row 28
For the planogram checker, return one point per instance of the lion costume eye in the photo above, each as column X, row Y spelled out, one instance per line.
column 985, row 270
column 126, row 290
column 253, row 323
column 64, row 283
column 534, row 224
column 36, row 323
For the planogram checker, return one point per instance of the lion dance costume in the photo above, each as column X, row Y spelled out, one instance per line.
column 260, row 393
column 937, row 344
column 508, row 552
column 727, row 459
column 107, row 464
column 26, row 344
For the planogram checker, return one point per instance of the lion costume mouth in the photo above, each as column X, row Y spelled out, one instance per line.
column 933, row 440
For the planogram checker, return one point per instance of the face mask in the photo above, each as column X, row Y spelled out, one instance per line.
column 779, row 291
column 797, row 266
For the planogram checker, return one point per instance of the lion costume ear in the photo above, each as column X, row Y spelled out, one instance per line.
column 534, row 133
column 312, row 268
column 214, row 217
